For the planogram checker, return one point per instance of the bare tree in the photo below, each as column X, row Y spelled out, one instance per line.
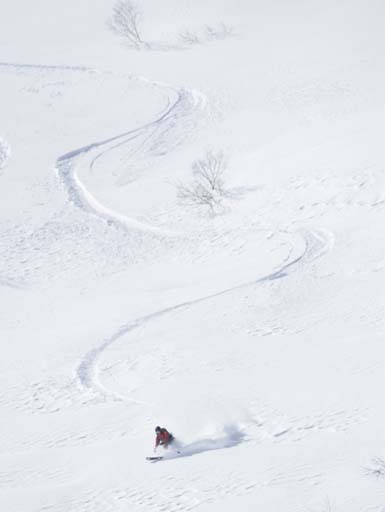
column 207, row 188
column 197, row 194
column 210, row 170
column 125, row 19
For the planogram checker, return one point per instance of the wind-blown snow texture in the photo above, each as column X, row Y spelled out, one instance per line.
column 255, row 333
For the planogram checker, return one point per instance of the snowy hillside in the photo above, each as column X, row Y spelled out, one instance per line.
column 192, row 236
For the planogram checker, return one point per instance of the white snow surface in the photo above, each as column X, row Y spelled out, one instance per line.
column 4, row 153
column 255, row 333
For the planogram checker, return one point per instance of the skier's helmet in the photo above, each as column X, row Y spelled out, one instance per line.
column 157, row 429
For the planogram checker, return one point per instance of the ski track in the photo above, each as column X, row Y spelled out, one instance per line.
column 100, row 226
column 316, row 244
column 150, row 137
column 183, row 110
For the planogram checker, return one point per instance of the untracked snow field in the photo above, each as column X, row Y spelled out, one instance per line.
column 248, row 319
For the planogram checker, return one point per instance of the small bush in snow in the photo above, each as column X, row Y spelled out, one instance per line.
column 207, row 34
column 189, row 37
column 208, row 185
column 222, row 31
column 125, row 19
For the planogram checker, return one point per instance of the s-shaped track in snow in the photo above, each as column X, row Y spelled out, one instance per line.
column 316, row 244
column 183, row 111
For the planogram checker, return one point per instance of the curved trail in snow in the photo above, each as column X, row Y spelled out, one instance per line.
column 183, row 110
column 151, row 138
column 316, row 244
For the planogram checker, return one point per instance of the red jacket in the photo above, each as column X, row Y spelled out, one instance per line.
column 162, row 437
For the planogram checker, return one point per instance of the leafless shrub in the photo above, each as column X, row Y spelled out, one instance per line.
column 377, row 469
column 125, row 19
column 206, row 34
column 222, row 31
column 208, row 185
column 189, row 37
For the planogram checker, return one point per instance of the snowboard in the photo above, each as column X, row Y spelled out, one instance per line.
column 154, row 459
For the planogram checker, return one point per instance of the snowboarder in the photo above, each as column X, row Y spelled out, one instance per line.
column 163, row 438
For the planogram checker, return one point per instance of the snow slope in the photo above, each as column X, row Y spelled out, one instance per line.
column 254, row 333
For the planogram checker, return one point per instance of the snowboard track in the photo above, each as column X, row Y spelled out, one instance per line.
column 316, row 244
